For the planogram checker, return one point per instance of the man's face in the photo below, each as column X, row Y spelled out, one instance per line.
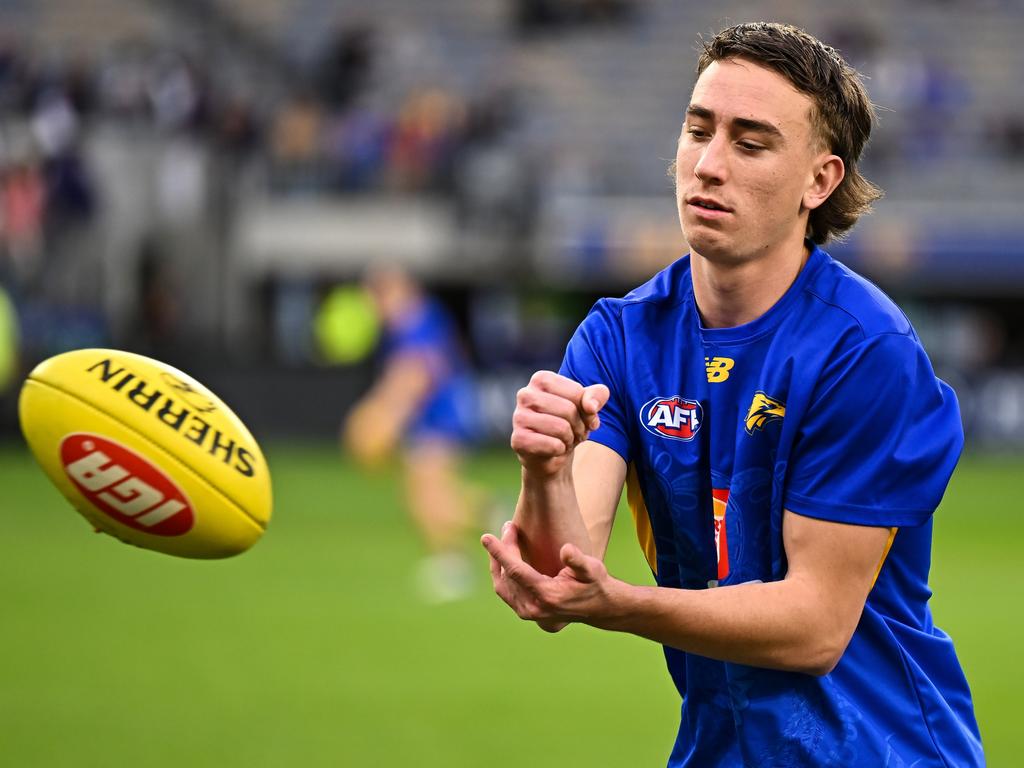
column 747, row 155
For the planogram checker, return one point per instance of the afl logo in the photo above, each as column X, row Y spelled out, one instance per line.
column 676, row 418
column 125, row 486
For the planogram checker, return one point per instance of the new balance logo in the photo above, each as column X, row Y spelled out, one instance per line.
column 718, row 368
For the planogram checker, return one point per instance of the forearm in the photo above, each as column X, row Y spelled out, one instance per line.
column 802, row 623
column 779, row 625
column 553, row 418
column 548, row 516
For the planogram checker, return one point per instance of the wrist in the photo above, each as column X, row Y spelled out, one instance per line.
column 617, row 607
column 547, row 475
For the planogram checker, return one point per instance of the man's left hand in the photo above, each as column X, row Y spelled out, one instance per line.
column 579, row 592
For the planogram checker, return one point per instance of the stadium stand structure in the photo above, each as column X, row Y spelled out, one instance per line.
column 593, row 119
column 617, row 90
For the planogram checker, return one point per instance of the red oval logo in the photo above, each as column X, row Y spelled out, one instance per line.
column 125, row 486
column 677, row 418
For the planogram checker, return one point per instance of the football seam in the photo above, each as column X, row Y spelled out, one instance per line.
column 262, row 526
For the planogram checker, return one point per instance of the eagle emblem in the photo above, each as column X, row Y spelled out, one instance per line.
column 762, row 410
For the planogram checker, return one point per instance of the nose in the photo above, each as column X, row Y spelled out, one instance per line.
column 712, row 164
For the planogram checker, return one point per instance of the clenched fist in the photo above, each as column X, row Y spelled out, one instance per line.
column 553, row 415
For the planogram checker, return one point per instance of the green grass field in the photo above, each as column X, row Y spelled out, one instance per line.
column 312, row 650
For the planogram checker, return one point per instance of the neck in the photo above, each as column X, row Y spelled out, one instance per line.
column 735, row 292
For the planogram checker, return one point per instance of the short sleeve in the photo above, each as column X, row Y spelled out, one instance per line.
column 879, row 442
column 596, row 355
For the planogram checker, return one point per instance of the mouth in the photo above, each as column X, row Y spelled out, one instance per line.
column 707, row 209
column 707, row 204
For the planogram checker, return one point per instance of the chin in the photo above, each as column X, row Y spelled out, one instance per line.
column 708, row 243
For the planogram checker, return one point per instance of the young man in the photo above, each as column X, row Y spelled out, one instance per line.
column 782, row 438
column 424, row 404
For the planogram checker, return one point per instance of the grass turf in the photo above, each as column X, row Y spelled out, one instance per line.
column 313, row 650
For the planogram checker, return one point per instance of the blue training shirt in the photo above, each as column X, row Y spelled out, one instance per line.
column 450, row 410
column 826, row 405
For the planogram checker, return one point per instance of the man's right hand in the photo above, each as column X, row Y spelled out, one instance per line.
column 553, row 415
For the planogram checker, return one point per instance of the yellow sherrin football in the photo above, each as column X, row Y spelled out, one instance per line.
column 146, row 453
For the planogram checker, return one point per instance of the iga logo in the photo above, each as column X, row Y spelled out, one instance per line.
column 125, row 486
column 676, row 418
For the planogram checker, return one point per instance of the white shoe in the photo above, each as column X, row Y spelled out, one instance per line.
column 444, row 578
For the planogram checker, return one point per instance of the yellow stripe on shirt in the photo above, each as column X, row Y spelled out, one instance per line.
column 641, row 518
column 885, row 554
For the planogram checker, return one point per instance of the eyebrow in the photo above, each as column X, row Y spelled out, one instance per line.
column 746, row 123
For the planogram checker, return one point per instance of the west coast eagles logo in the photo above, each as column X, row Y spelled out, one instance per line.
column 762, row 410
column 676, row 418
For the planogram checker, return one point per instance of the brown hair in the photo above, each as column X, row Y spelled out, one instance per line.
column 842, row 114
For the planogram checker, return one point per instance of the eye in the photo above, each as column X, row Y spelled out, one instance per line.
column 697, row 132
column 750, row 146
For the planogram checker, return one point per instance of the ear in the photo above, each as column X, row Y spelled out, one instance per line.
column 828, row 172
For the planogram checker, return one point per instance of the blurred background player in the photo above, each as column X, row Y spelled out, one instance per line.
column 423, row 404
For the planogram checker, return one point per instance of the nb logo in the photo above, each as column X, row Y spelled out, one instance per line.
column 718, row 368
column 762, row 410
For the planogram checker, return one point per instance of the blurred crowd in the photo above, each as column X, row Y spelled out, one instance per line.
column 379, row 109
column 937, row 100
column 44, row 184
column 331, row 129
column 319, row 132
column 322, row 133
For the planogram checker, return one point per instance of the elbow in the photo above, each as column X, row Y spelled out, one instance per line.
column 819, row 666
column 821, row 639
column 817, row 645
column 820, row 656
